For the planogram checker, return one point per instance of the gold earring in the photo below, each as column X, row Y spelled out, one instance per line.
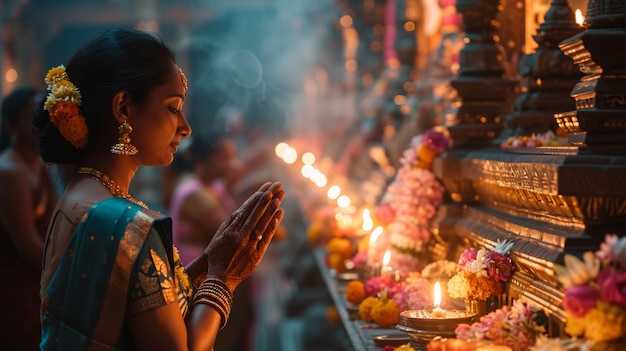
column 123, row 146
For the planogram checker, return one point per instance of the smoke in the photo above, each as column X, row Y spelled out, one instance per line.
column 251, row 58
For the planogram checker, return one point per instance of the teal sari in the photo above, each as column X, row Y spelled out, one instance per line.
column 119, row 263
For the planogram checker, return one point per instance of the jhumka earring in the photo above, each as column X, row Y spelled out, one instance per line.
column 123, row 146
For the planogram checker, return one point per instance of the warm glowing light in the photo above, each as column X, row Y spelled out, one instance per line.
column 307, row 171
column 437, row 294
column 399, row 99
column 320, row 180
column 366, row 214
column 376, row 233
column 345, row 21
column 280, row 149
column 409, row 26
column 308, row 158
column 387, row 258
column 367, row 225
column 10, row 75
column 333, row 192
column 290, row 155
column 579, row 17
column 343, row 201
column 351, row 65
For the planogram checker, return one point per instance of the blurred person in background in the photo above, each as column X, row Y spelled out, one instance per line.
column 27, row 198
column 200, row 203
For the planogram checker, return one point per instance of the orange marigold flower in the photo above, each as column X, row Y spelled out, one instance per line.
column 469, row 286
column 70, row 123
column 355, row 292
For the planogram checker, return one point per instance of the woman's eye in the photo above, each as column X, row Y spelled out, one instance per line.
column 173, row 110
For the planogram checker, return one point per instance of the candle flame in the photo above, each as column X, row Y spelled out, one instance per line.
column 579, row 17
column 308, row 158
column 343, row 201
column 437, row 294
column 366, row 214
column 387, row 258
column 375, row 235
column 334, row 192
column 280, row 149
column 368, row 224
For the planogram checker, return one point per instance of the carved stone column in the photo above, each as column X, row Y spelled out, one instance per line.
column 600, row 115
column 548, row 76
column 484, row 93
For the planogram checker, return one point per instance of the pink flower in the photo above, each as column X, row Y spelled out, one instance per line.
column 436, row 141
column 385, row 213
column 360, row 259
column 613, row 251
column 499, row 266
column 467, row 257
column 612, row 284
column 580, row 299
column 377, row 284
column 464, row 331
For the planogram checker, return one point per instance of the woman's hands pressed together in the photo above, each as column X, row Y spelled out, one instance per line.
column 241, row 241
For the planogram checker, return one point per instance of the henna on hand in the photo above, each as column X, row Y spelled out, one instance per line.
column 241, row 241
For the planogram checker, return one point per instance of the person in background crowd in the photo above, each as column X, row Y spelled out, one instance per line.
column 200, row 204
column 27, row 198
column 112, row 278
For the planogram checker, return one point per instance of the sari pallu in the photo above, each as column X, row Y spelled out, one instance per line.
column 87, row 298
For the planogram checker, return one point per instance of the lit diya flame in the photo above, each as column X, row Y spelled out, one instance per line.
column 438, row 312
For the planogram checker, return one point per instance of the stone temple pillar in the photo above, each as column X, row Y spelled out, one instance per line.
column 600, row 116
column 548, row 76
column 483, row 91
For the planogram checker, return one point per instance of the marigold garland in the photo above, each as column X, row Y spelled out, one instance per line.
column 62, row 103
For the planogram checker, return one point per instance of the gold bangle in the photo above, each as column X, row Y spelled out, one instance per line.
column 215, row 293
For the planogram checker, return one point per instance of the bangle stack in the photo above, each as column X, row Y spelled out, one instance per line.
column 215, row 293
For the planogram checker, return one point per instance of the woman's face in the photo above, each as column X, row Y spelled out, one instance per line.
column 160, row 124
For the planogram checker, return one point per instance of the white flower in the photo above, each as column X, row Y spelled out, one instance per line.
column 503, row 247
column 479, row 266
column 577, row 272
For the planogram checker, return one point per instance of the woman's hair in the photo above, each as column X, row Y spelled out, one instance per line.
column 118, row 60
column 12, row 107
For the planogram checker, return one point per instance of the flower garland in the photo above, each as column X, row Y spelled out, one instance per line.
column 482, row 273
column 595, row 291
column 63, row 103
column 411, row 201
column 514, row 326
column 535, row 140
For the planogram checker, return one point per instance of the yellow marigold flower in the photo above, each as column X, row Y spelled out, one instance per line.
column 605, row 322
column 51, row 100
column 575, row 326
column 55, row 74
column 67, row 91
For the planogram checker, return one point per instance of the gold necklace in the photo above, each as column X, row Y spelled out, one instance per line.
column 110, row 184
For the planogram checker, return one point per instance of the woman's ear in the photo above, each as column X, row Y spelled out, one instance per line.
column 121, row 106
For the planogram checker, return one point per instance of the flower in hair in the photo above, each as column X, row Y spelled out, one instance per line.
column 62, row 103
column 56, row 74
